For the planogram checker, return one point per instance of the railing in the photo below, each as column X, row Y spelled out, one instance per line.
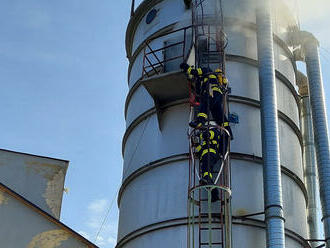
column 155, row 59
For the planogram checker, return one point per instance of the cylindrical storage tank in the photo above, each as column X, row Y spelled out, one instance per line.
column 153, row 196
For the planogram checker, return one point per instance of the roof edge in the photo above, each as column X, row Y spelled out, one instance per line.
column 46, row 215
column 29, row 154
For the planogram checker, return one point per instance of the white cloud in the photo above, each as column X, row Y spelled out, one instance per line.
column 112, row 241
column 96, row 212
column 98, row 206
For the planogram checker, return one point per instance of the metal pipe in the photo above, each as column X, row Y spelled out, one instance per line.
column 320, row 125
column 310, row 169
column 132, row 8
column 269, row 129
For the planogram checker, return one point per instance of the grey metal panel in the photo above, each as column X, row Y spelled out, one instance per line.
column 294, row 206
column 290, row 150
column 283, row 63
column 169, row 11
column 250, row 142
column 286, row 102
column 247, row 236
column 169, row 237
column 29, row 229
column 292, row 243
column 243, row 236
column 241, row 41
column 247, row 196
column 244, row 83
column 247, row 136
column 140, row 102
column 247, row 193
column 158, row 195
column 243, row 9
column 136, row 71
column 39, row 179
column 147, row 143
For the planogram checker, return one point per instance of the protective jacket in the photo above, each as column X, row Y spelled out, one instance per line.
column 208, row 150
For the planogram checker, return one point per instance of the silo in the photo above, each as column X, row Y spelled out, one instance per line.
column 153, row 196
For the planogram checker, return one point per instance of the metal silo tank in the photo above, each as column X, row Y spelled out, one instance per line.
column 153, row 195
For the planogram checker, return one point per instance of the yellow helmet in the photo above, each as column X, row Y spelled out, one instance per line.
column 218, row 70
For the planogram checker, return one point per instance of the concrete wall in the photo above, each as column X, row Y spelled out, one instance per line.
column 25, row 226
column 38, row 179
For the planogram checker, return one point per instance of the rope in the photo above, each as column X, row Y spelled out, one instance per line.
column 118, row 188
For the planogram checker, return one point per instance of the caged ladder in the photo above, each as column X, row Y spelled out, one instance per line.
column 209, row 224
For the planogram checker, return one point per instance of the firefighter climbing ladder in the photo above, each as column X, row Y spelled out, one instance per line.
column 209, row 223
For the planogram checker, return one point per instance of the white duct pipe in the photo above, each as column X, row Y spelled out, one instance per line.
column 320, row 125
column 269, row 127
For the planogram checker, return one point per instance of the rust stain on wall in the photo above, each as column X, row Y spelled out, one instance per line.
column 53, row 193
column 241, row 212
column 49, row 239
column 45, row 169
column 3, row 198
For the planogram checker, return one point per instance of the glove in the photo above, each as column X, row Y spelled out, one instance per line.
column 184, row 67
column 194, row 72
column 206, row 135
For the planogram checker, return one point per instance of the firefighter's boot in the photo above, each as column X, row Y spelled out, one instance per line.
column 215, row 195
column 206, row 179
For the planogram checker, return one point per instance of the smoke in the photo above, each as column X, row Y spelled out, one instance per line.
column 314, row 17
column 314, row 10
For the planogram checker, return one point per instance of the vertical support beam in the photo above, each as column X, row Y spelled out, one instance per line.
column 320, row 125
column 269, row 129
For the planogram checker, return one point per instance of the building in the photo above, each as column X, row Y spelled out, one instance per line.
column 271, row 196
column 31, row 190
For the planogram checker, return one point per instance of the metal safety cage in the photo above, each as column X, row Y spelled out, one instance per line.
column 209, row 224
column 210, row 38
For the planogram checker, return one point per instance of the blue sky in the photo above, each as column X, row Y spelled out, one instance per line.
column 63, row 72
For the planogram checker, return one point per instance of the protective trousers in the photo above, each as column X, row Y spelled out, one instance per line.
column 216, row 108
column 207, row 163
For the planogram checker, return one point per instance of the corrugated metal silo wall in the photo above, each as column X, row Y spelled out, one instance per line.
column 153, row 197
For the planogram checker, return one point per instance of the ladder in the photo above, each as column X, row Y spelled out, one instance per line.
column 209, row 223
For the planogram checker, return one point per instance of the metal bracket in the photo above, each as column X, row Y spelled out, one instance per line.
column 233, row 118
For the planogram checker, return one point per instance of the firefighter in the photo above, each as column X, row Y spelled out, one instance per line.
column 212, row 93
column 210, row 88
column 208, row 151
column 196, row 76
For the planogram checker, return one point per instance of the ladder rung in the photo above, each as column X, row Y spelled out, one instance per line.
column 206, row 214
column 214, row 243
column 214, row 228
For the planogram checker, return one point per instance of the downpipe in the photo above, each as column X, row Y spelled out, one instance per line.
column 269, row 129
column 310, row 168
column 320, row 125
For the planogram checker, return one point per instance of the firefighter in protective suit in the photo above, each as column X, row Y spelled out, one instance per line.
column 211, row 88
column 209, row 150
column 195, row 75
